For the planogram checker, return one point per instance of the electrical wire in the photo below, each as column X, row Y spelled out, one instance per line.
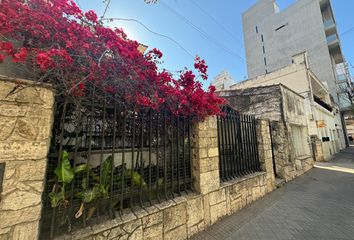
column 203, row 33
column 217, row 22
column 153, row 32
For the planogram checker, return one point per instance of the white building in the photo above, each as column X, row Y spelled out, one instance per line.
column 324, row 120
column 223, row 81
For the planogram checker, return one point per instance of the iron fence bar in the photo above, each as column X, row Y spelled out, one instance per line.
column 114, row 125
column 190, row 153
column 272, row 146
column 74, row 164
column 249, row 164
column 227, row 143
column 157, row 157
column 237, row 146
column 252, row 142
column 244, row 148
column 123, row 160
column 165, row 155
column 89, row 150
column 141, row 160
column 150, row 149
column 234, row 156
column 133, row 159
column 53, row 228
column 178, row 156
column 172, row 172
column 250, row 156
column 249, row 144
column 230, row 174
column 225, row 146
column 102, row 138
column 245, row 127
column 222, row 146
column 184, row 157
column 256, row 144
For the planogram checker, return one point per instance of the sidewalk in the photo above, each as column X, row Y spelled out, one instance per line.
column 318, row 205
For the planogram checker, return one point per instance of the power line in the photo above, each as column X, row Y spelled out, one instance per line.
column 217, row 22
column 203, row 33
column 153, row 32
column 106, row 8
column 347, row 31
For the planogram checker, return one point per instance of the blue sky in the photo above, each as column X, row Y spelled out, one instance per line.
column 221, row 45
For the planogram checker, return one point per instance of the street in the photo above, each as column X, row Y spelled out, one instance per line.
column 317, row 205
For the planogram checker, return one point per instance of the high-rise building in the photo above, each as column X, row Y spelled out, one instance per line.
column 272, row 37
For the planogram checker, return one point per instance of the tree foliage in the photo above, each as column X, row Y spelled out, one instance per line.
column 60, row 44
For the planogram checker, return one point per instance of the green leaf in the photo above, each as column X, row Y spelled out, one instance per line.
column 64, row 171
column 106, row 170
column 82, row 167
column 56, row 198
column 89, row 195
column 84, row 183
column 137, row 180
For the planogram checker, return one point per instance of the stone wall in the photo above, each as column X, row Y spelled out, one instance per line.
column 264, row 102
column 25, row 129
column 287, row 167
column 185, row 216
column 26, row 114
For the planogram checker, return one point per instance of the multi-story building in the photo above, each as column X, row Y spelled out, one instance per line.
column 272, row 37
column 323, row 119
column 223, row 81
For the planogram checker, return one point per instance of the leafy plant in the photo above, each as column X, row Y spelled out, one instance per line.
column 64, row 175
column 64, row 171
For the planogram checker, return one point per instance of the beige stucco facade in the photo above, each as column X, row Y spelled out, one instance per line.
column 323, row 125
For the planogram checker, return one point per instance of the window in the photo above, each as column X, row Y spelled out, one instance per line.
column 282, row 26
column 262, row 38
column 265, row 61
column 299, row 141
column 263, row 50
column 256, row 29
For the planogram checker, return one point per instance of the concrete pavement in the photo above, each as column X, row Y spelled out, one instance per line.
column 317, row 205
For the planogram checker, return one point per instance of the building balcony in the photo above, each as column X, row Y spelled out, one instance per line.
column 323, row 104
column 342, row 78
column 330, row 26
column 332, row 39
column 335, row 48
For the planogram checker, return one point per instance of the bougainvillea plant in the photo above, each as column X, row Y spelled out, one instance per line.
column 58, row 43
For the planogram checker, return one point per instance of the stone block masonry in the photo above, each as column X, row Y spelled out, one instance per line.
column 185, row 216
column 26, row 116
column 25, row 128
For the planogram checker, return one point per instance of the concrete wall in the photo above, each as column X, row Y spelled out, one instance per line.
column 25, row 129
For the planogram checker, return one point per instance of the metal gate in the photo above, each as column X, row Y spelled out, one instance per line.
column 238, row 149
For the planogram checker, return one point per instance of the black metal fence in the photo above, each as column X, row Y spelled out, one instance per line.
column 238, row 150
column 104, row 159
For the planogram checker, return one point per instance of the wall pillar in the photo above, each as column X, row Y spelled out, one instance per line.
column 205, row 160
column 26, row 115
column 265, row 152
